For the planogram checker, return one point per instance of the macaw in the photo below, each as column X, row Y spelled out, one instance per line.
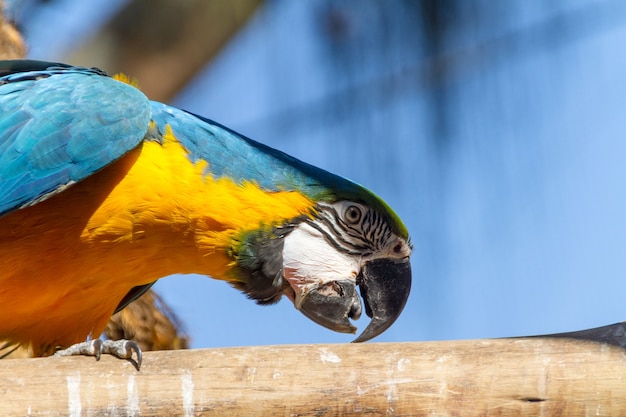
column 102, row 192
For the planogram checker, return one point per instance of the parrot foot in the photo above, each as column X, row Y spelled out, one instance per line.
column 122, row 349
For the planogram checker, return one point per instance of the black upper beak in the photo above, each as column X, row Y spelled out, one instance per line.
column 385, row 285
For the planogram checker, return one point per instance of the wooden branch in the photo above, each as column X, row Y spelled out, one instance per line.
column 560, row 375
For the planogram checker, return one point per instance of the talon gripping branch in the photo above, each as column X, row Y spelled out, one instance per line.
column 102, row 192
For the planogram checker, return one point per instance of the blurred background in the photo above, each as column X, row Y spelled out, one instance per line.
column 496, row 130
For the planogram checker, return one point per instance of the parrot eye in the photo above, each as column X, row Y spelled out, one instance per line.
column 352, row 214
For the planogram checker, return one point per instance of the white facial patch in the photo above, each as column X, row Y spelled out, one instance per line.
column 309, row 261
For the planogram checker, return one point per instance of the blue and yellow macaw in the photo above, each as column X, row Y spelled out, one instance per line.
column 102, row 192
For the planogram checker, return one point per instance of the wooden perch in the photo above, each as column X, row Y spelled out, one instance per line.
column 576, row 374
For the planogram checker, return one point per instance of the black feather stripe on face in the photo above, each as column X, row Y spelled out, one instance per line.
column 371, row 234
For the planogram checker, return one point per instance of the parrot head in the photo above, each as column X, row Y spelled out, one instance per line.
column 350, row 238
column 357, row 248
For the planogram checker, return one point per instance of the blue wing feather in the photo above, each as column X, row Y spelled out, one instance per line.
column 60, row 124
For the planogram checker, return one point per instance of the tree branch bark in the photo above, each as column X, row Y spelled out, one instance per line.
column 573, row 374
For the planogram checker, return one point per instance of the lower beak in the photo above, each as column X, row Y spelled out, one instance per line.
column 384, row 285
column 332, row 305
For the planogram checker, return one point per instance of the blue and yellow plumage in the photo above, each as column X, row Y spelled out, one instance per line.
column 102, row 192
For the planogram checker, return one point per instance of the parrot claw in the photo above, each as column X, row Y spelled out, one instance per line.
column 122, row 349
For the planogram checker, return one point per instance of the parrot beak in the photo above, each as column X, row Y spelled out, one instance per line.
column 384, row 285
column 332, row 305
